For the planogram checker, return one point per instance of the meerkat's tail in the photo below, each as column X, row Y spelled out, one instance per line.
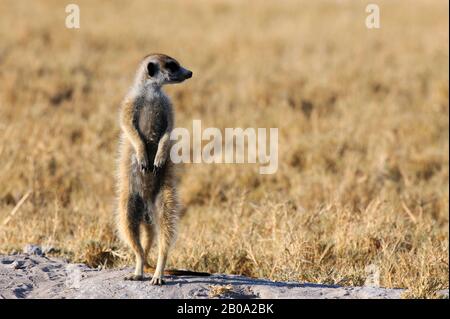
column 177, row 272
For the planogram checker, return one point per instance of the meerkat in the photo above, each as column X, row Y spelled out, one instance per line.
column 148, row 203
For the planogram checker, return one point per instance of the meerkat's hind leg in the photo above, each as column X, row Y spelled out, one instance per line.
column 148, row 234
column 167, row 221
column 131, row 231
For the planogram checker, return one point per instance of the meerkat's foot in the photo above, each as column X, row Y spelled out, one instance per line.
column 157, row 280
column 134, row 277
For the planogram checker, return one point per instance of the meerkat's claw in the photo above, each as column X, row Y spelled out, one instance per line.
column 159, row 159
column 155, row 169
column 157, row 281
column 144, row 169
column 134, row 277
column 143, row 164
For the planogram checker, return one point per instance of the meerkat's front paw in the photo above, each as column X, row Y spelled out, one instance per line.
column 160, row 159
column 157, row 280
column 144, row 164
column 134, row 277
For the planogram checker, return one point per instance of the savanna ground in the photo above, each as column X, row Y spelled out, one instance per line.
column 363, row 134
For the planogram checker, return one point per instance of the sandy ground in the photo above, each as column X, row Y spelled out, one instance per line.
column 33, row 275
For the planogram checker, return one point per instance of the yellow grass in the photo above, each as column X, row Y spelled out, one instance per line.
column 363, row 118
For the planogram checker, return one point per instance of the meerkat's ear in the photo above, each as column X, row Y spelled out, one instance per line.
column 152, row 68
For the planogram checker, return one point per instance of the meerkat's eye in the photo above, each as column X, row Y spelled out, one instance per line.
column 172, row 66
column 152, row 68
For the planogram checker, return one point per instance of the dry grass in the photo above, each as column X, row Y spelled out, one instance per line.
column 362, row 116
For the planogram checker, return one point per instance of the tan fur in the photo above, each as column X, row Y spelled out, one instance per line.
column 137, row 134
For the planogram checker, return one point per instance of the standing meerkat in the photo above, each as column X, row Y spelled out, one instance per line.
column 148, row 204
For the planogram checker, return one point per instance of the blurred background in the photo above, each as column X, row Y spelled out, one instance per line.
column 363, row 118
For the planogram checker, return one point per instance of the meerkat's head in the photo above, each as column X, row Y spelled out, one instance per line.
column 157, row 70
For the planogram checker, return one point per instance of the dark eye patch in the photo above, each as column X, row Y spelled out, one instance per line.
column 152, row 68
column 172, row 66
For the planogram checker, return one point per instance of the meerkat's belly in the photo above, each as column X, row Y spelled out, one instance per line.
column 152, row 125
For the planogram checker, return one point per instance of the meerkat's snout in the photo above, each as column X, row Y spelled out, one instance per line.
column 184, row 74
column 181, row 74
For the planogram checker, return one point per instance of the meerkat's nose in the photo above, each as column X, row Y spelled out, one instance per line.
column 188, row 74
